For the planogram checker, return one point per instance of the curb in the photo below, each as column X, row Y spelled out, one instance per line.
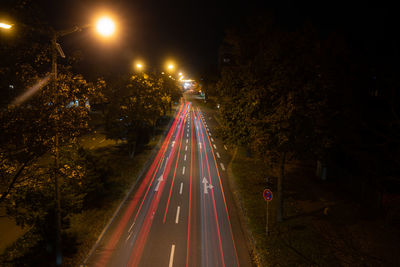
column 242, row 212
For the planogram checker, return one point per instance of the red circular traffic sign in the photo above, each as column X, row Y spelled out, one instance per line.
column 267, row 194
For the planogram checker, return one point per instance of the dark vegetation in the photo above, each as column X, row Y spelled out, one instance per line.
column 294, row 91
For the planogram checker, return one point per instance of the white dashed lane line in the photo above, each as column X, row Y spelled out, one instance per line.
column 181, row 189
column 222, row 166
column 218, row 155
column 171, row 256
column 177, row 214
column 214, row 146
column 225, row 147
column 183, row 170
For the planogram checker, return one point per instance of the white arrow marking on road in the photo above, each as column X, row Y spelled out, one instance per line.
column 215, row 146
column 222, row 166
column 177, row 214
column 183, row 170
column 206, row 186
column 217, row 155
column 159, row 180
column 225, row 147
column 180, row 190
column 171, row 256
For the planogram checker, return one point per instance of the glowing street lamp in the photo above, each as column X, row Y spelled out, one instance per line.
column 180, row 74
column 5, row 26
column 170, row 66
column 139, row 66
column 105, row 26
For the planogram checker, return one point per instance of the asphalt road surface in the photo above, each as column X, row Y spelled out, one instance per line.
column 182, row 212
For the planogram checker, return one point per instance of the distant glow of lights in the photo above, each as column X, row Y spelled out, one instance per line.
column 180, row 74
column 170, row 66
column 139, row 66
column 105, row 26
column 5, row 26
column 162, row 72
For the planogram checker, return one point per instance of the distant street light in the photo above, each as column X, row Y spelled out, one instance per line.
column 139, row 66
column 180, row 74
column 170, row 67
column 5, row 26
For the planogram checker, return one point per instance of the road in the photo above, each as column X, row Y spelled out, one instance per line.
column 182, row 212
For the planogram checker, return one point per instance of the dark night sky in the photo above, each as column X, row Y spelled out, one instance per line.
column 190, row 31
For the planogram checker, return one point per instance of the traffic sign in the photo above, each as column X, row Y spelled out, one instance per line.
column 267, row 195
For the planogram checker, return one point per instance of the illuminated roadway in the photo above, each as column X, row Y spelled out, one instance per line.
column 181, row 213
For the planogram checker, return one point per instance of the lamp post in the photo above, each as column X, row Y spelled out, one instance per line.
column 106, row 27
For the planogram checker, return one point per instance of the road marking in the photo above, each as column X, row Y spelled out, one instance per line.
column 214, row 146
column 225, row 147
column 209, row 133
column 217, row 155
column 177, row 214
column 180, row 189
column 129, row 236
column 212, row 140
column 184, row 158
column 159, row 180
column 102, row 140
column 186, row 148
column 187, row 135
column 171, row 256
column 188, row 129
column 222, row 166
column 187, row 141
column 130, row 228
column 183, row 170
column 200, row 145
column 206, row 185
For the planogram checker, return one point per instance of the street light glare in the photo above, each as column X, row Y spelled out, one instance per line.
column 105, row 26
column 5, row 26
column 170, row 66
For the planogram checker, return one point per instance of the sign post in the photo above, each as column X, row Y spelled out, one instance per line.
column 267, row 194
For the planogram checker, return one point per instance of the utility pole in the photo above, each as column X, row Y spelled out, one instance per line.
column 56, row 160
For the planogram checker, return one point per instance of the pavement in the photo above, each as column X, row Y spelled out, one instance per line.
column 182, row 212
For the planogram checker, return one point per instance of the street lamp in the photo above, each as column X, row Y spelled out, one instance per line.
column 106, row 27
column 5, row 26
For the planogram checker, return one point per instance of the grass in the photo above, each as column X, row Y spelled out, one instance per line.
column 291, row 243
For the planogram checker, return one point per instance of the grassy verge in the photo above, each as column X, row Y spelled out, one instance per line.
column 322, row 227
